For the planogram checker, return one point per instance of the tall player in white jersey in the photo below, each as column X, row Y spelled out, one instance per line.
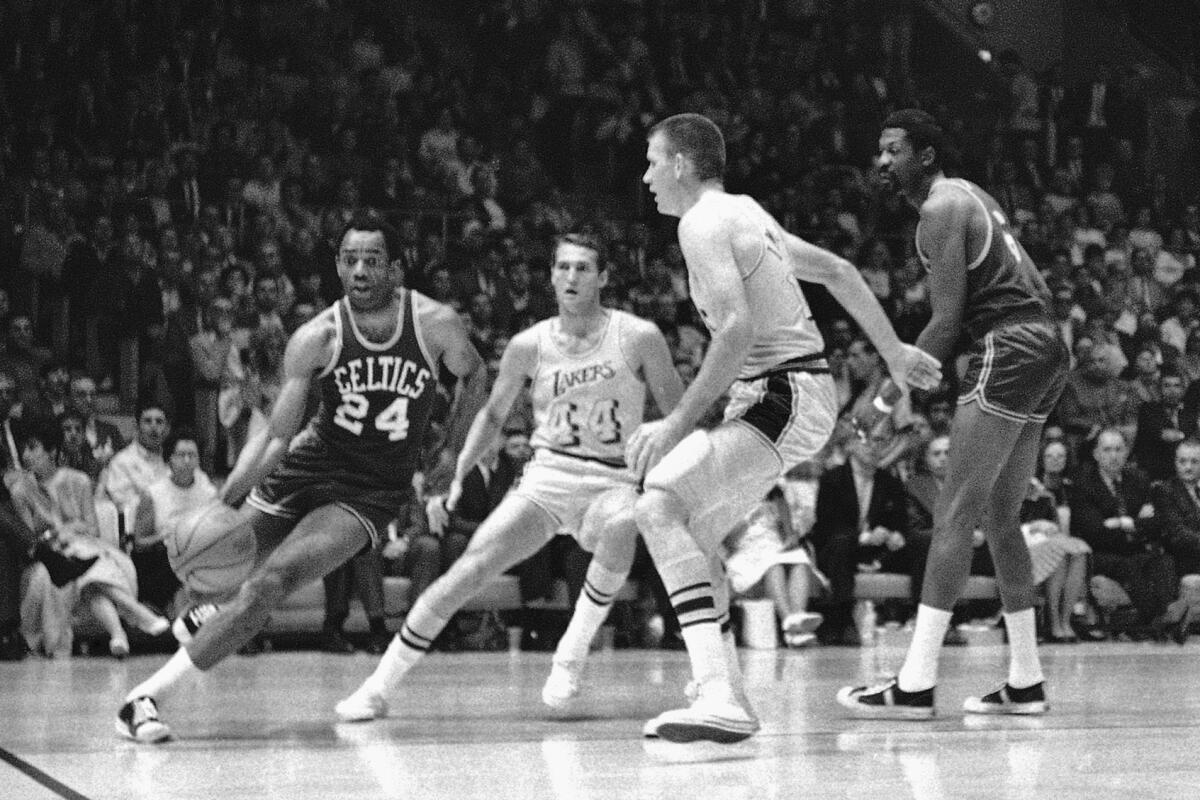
column 767, row 352
column 588, row 369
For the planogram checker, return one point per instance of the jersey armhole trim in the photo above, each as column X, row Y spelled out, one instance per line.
column 337, row 340
column 619, row 321
column 991, row 228
column 419, row 333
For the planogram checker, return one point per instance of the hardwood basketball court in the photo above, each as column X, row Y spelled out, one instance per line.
column 1125, row 723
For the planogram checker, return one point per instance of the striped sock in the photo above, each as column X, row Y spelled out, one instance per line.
column 416, row 636
column 591, row 609
column 701, row 629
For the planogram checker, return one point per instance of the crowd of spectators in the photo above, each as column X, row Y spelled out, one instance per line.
column 174, row 178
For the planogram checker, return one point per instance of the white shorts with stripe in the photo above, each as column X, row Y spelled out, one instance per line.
column 565, row 486
column 771, row 424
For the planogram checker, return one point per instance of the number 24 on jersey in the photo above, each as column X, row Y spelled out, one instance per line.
column 393, row 420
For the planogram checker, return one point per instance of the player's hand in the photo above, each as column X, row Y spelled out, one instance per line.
column 1146, row 512
column 1112, row 523
column 914, row 367
column 895, row 541
column 437, row 514
column 649, row 443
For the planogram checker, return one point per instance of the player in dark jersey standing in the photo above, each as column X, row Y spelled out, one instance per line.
column 320, row 497
column 984, row 288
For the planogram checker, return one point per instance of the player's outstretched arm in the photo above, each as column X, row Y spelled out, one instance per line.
column 516, row 365
column 908, row 365
column 945, row 218
column 307, row 353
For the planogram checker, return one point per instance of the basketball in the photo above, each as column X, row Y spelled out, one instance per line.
column 212, row 550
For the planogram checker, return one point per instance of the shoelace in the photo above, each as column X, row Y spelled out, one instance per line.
column 143, row 711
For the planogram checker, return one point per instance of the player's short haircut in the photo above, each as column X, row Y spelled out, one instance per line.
column 583, row 239
column 922, row 130
column 698, row 138
column 370, row 220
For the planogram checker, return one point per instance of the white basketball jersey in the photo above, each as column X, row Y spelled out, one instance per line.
column 783, row 326
column 586, row 405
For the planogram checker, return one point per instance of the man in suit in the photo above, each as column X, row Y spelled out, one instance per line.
column 1158, row 429
column 1111, row 510
column 861, row 519
column 103, row 437
column 1177, row 505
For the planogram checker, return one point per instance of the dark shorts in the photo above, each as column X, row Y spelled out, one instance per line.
column 1017, row 371
column 311, row 476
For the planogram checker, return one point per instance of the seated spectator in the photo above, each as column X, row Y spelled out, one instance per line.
column 921, row 491
column 58, row 500
column 1095, row 398
column 861, row 523
column 130, row 475
column 75, row 452
column 53, row 396
column 412, row 550
column 362, row 574
column 166, row 501
column 1059, row 561
column 102, row 437
column 1111, row 510
column 768, row 555
column 1159, row 427
column 867, row 373
column 1177, row 505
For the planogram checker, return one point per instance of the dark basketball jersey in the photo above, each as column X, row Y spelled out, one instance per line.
column 1003, row 283
column 376, row 399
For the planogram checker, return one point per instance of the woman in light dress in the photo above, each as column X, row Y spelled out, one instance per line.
column 59, row 503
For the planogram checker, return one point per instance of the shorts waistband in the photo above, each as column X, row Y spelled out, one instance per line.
column 979, row 330
column 614, row 463
column 814, row 363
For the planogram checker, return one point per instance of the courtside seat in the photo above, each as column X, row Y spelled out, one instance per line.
column 878, row 586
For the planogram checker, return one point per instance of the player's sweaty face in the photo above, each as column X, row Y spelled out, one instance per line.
column 576, row 274
column 897, row 163
column 362, row 264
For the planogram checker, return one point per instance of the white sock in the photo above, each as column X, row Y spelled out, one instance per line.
column 599, row 588
column 1024, row 666
column 178, row 667
column 420, row 628
column 920, row 670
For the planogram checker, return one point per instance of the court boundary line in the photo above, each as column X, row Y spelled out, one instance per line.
column 56, row 786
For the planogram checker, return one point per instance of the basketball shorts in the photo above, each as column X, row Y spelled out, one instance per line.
column 564, row 486
column 771, row 424
column 1016, row 371
column 311, row 475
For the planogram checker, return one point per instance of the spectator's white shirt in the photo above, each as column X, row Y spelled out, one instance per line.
column 131, row 472
column 173, row 502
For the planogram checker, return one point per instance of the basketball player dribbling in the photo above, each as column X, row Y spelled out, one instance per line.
column 767, row 352
column 588, row 370
column 982, row 284
column 376, row 355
